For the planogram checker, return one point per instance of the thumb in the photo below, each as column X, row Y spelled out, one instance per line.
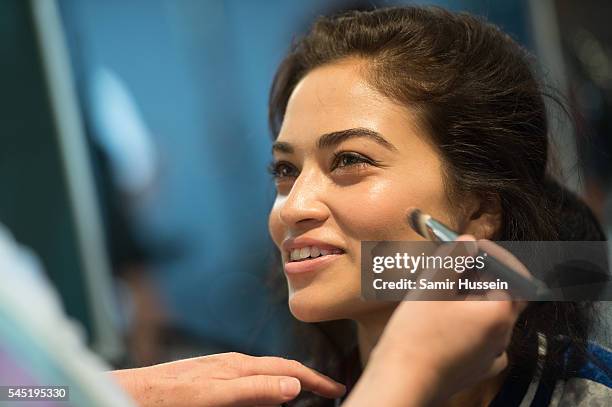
column 258, row 390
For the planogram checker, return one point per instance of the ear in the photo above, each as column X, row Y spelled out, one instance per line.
column 483, row 217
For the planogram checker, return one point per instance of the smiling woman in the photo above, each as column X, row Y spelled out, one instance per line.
column 376, row 112
column 343, row 150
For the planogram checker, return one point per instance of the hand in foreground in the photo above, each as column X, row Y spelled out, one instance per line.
column 224, row 380
column 430, row 350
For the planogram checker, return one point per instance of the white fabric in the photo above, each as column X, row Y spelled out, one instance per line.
column 26, row 294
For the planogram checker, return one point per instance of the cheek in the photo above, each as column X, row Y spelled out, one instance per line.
column 376, row 213
column 378, row 207
column 275, row 226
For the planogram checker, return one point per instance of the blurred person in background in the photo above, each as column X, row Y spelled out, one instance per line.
column 587, row 46
column 126, row 170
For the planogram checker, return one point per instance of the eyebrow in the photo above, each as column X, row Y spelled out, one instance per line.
column 334, row 138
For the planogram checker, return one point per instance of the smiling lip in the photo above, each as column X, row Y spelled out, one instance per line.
column 308, row 265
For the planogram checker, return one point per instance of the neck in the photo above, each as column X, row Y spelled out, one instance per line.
column 369, row 329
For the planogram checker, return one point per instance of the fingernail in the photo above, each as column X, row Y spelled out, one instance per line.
column 290, row 387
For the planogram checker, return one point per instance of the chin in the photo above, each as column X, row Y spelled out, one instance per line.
column 308, row 305
column 315, row 305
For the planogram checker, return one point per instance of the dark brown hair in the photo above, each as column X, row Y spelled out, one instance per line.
column 474, row 91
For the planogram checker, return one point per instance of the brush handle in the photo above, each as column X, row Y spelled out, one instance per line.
column 530, row 288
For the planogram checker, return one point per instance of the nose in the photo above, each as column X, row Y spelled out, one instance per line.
column 303, row 205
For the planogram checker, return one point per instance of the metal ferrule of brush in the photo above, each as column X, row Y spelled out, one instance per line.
column 441, row 232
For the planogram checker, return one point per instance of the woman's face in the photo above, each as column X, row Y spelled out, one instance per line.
column 349, row 163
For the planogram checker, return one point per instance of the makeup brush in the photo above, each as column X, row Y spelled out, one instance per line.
column 434, row 230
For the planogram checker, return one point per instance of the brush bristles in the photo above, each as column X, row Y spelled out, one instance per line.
column 418, row 221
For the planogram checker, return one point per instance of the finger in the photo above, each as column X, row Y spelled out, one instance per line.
column 257, row 390
column 471, row 248
column 498, row 319
column 508, row 259
column 502, row 295
column 503, row 256
column 440, row 273
column 467, row 246
column 497, row 295
column 433, row 274
column 310, row 379
column 517, row 306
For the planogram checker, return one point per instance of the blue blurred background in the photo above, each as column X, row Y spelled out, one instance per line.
column 135, row 145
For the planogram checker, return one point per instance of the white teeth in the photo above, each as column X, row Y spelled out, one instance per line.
column 312, row 252
column 304, row 252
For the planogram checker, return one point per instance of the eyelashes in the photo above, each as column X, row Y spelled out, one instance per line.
column 281, row 169
column 342, row 162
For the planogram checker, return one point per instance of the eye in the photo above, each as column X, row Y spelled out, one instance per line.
column 347, row 159
column 282, row 169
